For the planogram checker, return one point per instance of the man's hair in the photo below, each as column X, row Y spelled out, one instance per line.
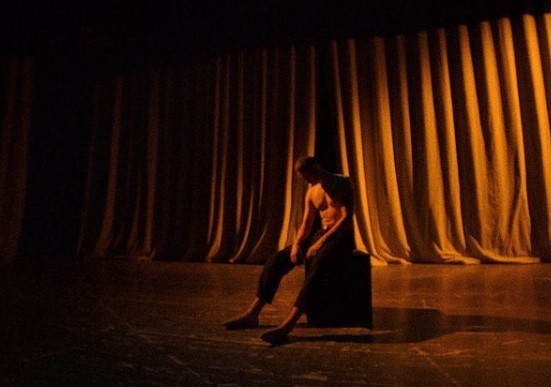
column 305, row 162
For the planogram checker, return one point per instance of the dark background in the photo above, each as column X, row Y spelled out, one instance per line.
column 102, row 34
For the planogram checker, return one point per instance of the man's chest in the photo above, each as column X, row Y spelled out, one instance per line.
column 321, row 200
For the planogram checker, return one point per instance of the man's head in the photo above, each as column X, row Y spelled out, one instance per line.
column 309, row 169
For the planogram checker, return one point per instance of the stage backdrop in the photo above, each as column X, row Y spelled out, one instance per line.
column 445, row 133
column 447, row 136
column 196, row 162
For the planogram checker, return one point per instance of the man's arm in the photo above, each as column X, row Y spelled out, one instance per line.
column 339, row 224
column 305, row 227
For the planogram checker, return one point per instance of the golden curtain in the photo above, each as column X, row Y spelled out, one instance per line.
column 447, row 137
column 445, row 134
column 15, row 112
column 194, row 162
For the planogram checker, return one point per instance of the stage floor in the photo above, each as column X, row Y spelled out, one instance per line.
column 141, row 323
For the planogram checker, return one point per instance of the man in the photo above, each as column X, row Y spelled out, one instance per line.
column 325, row 236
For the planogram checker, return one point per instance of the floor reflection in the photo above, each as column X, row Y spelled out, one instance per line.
column 413, row 325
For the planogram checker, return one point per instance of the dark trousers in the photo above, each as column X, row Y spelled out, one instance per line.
column 318, row 269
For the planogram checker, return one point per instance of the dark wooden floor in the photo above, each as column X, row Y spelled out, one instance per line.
column 121, row 323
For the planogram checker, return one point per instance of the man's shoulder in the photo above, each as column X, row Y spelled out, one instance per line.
column 343, row 179
column 312, row 189
column 341, row 176
column 345, row 182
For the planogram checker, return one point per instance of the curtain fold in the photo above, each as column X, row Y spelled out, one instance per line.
column 16, row 80
column 195, row 162
column 446, row 135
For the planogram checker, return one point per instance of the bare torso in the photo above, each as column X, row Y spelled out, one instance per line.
column 330, row 198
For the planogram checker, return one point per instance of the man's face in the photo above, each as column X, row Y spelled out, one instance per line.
column 310, row 175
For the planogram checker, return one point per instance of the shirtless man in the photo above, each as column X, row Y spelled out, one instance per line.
column 330, row 200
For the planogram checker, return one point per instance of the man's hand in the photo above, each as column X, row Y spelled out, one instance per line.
column 313, row 250
column 296, row 254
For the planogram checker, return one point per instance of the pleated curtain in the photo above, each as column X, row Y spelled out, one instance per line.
column 447, row 137
column 444, row 132
column 195, row 162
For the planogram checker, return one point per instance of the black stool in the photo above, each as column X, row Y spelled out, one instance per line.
column 346, row 300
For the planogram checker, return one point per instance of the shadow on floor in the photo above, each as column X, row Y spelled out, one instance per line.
column 405, row 325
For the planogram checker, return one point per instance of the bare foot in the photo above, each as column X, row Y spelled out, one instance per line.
column 242, row 322
column 276, row 336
